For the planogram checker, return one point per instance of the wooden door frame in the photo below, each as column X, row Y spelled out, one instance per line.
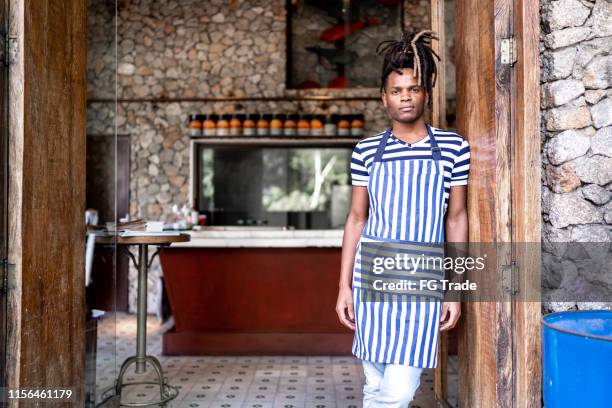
column 526, row 159
column 46, row 215
column 516, row 156
column 3, row 191
column 504, row 197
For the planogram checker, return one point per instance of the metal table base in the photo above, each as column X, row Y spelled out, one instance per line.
column 166, row 392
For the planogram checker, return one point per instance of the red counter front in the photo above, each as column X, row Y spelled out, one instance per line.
column 254, row 301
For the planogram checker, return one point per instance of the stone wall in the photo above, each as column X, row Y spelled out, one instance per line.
column 576, row 70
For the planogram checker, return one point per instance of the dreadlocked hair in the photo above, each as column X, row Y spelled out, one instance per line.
column 412, row 51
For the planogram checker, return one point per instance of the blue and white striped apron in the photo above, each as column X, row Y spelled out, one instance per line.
column 406, row 199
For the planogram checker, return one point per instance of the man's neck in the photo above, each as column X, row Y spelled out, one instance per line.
column 410, row 132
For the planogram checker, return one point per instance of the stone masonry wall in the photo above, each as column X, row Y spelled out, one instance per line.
column 576, row 70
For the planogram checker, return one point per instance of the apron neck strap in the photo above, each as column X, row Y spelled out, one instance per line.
column 382, row 145
column 436, row 153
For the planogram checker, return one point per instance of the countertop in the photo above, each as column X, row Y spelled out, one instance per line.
column 262, row 238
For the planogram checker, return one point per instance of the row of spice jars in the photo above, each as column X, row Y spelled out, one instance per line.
column 275, row 125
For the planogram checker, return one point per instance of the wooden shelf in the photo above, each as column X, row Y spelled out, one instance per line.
column 279, row 140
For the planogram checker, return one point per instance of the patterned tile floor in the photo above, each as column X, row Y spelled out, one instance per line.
column 236, row 381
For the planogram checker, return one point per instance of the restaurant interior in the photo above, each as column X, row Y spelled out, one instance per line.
column 229, row 126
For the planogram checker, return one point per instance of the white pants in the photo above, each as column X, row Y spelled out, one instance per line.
column 389, row 385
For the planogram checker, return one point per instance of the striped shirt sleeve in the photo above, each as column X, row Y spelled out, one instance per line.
column 461, row 166
column 359, row 171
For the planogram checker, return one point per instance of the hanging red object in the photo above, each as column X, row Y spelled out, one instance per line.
column 341, row 31
column 338, row 82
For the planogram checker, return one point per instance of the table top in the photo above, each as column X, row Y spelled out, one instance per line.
column 144, row 239
column 263, row 238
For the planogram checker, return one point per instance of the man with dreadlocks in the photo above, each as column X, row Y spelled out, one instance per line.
column 406, row 180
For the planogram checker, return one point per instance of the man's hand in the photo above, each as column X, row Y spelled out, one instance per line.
column 450, row 315
column 344, row 307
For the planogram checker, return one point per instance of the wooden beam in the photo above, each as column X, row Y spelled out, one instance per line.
column 484, row 117
column 15, row 199
column 47, row 201
column 438, row 119
column 498, row 110
column 502, row 344
column 474, row 121
column 526, row 208
column 3, row 187
column 438, row 116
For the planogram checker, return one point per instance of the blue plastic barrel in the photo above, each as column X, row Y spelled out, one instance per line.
column 577, row 354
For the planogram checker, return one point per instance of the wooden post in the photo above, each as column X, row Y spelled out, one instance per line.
column 526, row 208
column 498, row 111
column 438, row 119
column 483, row 116
column 438, row 115
column 46, row 333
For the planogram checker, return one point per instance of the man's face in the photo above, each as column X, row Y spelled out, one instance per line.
column 403, row 98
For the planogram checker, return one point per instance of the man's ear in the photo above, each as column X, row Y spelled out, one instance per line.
column 384, row 98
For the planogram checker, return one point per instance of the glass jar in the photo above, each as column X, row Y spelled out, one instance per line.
column 248, row 126
column 195, row 126
column 263, row 125
column 276, row 125
column 291, row 124
column 316, row 125
column 209, row 125
column 357, row 125
column 235, row 125
column 303, row 125
column 344, row 125
column 329, row 125
column 223, row 125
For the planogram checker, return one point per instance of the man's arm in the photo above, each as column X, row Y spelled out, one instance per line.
column 456, row 232
column 355, row 223
column 456, row 218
